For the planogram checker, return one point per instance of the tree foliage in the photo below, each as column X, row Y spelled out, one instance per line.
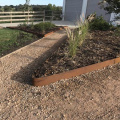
column 111, row 6
column 27, row 2
column 27, row 5
column 52, row 7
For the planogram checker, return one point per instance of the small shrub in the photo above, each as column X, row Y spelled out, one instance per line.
column 117, row 31
column 24, row 25
column 49, row 25
column 31, row 26
column 98, row 23
column 40, row 27
column 43, row 26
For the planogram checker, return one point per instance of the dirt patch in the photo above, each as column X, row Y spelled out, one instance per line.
column 101, row 46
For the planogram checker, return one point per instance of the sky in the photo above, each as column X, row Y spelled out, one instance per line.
column 35, row 2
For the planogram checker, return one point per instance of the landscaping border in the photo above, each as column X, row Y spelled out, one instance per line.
column 72, row 73
column 61, row 28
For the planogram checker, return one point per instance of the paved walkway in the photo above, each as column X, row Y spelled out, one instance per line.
column 57, row 23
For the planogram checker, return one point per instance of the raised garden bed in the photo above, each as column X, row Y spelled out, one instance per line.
column 99, row 47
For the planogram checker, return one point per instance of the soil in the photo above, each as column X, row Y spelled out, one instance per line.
column 98, row 47
column 39, row 34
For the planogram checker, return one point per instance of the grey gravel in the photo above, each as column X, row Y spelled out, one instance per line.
column 91, row 96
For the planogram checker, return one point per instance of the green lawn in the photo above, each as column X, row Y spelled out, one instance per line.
column 7, row 34
column 12, row 39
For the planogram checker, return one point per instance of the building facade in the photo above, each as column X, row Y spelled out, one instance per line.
column 73, row 9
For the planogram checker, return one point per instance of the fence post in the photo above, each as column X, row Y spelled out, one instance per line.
column 44, row 16
column 25, row 17
column 28, row 18
column 52, row 16
column 11, row 16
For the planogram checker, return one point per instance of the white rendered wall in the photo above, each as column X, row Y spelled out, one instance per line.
column 63, row 10
column 84, row 9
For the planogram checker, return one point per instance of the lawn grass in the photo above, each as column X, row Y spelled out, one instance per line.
column 7, row 34
column 12, row 39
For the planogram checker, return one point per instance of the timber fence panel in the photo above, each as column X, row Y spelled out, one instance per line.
column 16, row 16
column 27, row 16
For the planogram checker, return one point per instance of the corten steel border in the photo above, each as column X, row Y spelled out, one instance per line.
column 61, row 28
column 72, row 73
column 48, row 34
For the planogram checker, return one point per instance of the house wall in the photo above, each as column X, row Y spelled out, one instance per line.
column 73, row 10
column 93, row 7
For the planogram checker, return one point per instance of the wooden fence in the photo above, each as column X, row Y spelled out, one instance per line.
column 28, row 16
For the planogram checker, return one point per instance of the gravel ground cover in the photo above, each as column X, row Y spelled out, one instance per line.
column 98, row 47
column 92, row 96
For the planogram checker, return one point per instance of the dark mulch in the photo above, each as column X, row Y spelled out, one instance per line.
column 101, row 46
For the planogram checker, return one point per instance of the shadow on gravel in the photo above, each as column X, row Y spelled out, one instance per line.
column 25, row 74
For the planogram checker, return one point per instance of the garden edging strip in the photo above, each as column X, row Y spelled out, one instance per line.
column 72, row 73
column 61, row 28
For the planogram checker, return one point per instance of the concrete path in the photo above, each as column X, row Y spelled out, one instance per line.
column 57, row 23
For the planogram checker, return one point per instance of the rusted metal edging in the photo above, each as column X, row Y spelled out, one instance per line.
column 72, row 73
column 61, row 28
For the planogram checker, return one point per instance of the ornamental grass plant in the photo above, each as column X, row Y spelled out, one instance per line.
column 77, row 36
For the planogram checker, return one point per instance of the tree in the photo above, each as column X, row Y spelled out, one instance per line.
column 1, row 9
column 27, row 5
column 7, row 8
column 37, row 8
column 27, row 2
column 49, row 7
column 111, row 6
column 19, row 7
